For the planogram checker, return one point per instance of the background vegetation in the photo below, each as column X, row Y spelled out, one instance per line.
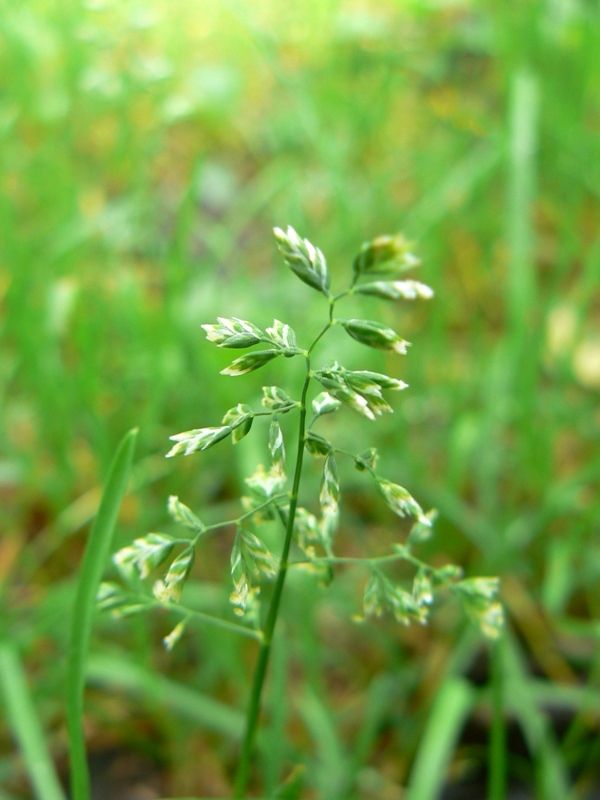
column 147, row 148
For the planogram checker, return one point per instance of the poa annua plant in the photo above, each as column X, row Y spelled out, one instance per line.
column 307, row 536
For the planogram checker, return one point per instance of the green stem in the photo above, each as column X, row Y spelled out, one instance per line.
column 323, row 331
column 254, row 705
column 229, row 523
column 497, row 745
column 359, row 560
column 209, row 619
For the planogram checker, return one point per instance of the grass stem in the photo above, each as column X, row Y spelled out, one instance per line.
column 241, row 780
column 497, row 756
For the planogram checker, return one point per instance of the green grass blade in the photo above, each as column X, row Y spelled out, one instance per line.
column 497, row 780
column 453, row 703
column 26, row 726
column 331, row 767
column 523, row 134
column 551, row 772
column 90, row 575
column 121, row 674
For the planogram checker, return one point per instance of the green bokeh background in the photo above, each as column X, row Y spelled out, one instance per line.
column 147, row 149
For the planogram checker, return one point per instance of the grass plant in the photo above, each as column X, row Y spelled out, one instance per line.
column 308, row 539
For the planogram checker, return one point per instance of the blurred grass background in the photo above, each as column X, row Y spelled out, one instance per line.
column 147, row 148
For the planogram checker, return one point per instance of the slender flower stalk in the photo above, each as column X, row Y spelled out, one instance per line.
column 262, row 664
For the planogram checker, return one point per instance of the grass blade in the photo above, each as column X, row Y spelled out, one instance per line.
column 121, row 674
column 331, row 767
column 551, row 772
column 26, row 726
column 523, row 133
column 453, row 703
column 94, row 559
column 497, row 780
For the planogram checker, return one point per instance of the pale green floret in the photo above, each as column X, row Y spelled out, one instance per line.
column 317, row 445
column 240, row 419
column 170, row 587
column 396, row 290
column 422, row 529
column 365, row 380
column 401, row 501
column 184, row 515
column 385, row 254
column 491, row 620
column 111, row 597
column 198, row 439
column 267, row 483
column 361, row 390
column 250, row 559
column 422, row 589
column 330, row 485
column 145, row 554
column 276, row 399
column 303, row 258
column 480, row 599
column 172, row 638
column 277, row 447
column 325, row 403
column 233, row 332
column 282, row 335
column 250, row 362
column 480, row 587
column 374, row 334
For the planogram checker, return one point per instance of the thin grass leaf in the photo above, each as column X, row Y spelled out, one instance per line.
column 453, row 703
column 84, row 607
column 26, row 727
column 117, row 672
column 497, row 758
column 551, row 770
column 521, row 287
column 331, row 769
